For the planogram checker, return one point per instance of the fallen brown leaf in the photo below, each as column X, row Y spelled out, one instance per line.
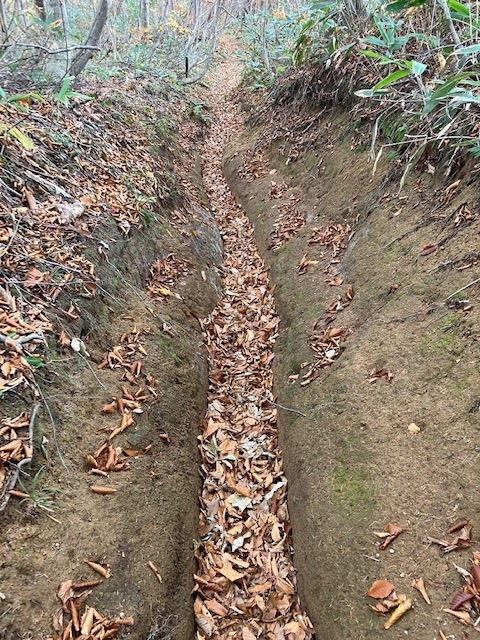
column 380, row 589
column 400, row 611
column 419, row 585
column 462, row 616
column 102, row 490
column 102, row 569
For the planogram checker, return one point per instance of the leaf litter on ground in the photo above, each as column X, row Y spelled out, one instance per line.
column 70, row 181
column 245, row 581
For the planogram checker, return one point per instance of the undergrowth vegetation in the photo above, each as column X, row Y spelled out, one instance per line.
column 410, row 68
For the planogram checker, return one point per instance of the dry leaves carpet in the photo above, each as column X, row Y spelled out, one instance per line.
column 61, row 179
column 246, row 585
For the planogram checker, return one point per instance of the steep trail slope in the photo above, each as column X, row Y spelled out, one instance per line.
column 246, row 584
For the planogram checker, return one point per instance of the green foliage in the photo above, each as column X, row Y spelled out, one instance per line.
column 269, row 38
column 388, row 40
column 35, row 362
column 318, row 24
column 42, row 496
column 19, row 102
column 65, row 94
column 199, row 113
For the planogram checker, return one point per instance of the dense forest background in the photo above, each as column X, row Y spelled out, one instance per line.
column 414, row 57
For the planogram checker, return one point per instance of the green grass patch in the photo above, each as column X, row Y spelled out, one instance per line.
column 351, row 490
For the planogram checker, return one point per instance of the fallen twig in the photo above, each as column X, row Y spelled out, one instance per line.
column 9, row 243
column 50, row 186
column 17, row 344
column 281, row 406
column 52, row 422
column 470, row 284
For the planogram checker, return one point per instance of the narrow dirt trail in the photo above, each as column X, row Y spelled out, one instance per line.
column 246, row 584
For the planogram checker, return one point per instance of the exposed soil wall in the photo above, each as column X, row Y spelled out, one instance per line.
column 352, row 462
column 153, row 516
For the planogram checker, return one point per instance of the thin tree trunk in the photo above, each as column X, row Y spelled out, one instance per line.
column 83, row 56
column 144, row 14
column 448, row 18
column 63, row 10
column 3, row 22
column 21, row 13
column 209, row 35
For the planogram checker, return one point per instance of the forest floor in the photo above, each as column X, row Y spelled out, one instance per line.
column 110, row 257
column 245, row 582
column 355, row 305
column 379, row 347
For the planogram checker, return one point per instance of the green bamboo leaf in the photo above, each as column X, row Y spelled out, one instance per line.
column 35, row 362
column 376, row 41
column 418, row 68
column 373, row 54
column 459, row 8
column 24, row 96
column 444, row 90
column 364, row 93
column 465, row 51
column 400, row 5
column 19, row 135
column 390, row 79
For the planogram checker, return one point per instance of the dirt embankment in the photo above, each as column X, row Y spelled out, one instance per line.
column 152, row 364
column 365, row 276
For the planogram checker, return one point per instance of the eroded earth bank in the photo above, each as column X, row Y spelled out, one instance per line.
column 377, row 292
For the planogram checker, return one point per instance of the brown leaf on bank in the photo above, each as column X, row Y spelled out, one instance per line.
column 475, row 571
column 65, row 592
column 305, row 263
column 72, row 621
column 462, row 541
column 456, row 526
column 63, row 339
column 419, row 585
column 215, row 607
column 102, row 569
column 380, row 589
column 392, row 531
column 350, row 293
column 102, row 490
column 462, row 616
column 247, row 634
column 400, row 611
column 87, row 621
column 380, row 373
column 459, row 599
column 229, row 572
column 110, row 408
column 18, row 494
column 430, row 248
column 203, row 618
